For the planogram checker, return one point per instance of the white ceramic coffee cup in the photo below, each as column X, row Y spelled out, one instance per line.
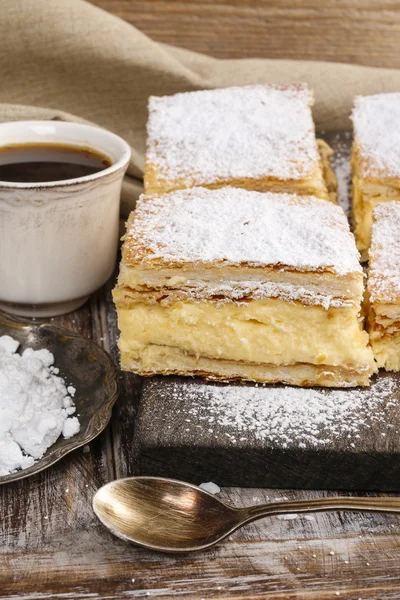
column 59, row 239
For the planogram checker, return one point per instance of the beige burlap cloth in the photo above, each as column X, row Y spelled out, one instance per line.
column 67, row 59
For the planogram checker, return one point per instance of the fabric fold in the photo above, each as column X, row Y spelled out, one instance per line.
column 68, row 59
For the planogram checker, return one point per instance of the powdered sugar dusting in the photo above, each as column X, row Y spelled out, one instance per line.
column 251, row 131
column 384, row 265
column 288, row 416
column 236, row 226
column 376, row 122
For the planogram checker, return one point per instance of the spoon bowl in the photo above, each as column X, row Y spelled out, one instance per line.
column 172, row 516
column 156, row 513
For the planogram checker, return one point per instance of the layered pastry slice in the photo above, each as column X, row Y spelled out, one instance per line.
column 384, row 286
column 375, row 159
column 258, row 137
column 235, row 284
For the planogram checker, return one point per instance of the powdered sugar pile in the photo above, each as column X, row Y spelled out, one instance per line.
column 237, row 226
column 288, row 416
column 376, row 122
column 35, row 406
column 249, row 131
column 384, row 266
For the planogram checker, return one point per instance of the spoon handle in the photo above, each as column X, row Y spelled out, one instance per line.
column 385, row 504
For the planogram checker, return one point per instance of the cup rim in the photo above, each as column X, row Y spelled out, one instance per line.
column 125, row 156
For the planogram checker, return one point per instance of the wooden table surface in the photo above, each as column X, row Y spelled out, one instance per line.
column 51, row 545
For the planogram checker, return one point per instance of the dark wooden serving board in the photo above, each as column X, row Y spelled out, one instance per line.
column 179, row 435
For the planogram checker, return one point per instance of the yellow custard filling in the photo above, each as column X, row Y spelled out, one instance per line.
column 268, row 330
column 386, row 350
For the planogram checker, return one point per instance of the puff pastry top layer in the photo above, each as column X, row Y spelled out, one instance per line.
column 254, row 131
column 239, row 244
column 384, row 254
column 376, row 122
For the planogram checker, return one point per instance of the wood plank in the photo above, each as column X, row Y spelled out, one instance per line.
column 310, row 559
column 365, row 32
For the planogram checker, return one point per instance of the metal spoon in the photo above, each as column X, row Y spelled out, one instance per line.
column 173, row 516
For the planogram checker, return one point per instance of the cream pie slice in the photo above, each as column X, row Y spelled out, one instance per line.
column 236, row 284
column 384, row 286
column 258, row 137
column 375, row 159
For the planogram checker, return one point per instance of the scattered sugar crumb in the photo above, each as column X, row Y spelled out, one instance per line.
column 288, row 517
column 71, row 427
column 332, row 553
column 210, row 487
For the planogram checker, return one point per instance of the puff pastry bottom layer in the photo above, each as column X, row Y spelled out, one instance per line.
column 156, row 360
column 264, row 340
